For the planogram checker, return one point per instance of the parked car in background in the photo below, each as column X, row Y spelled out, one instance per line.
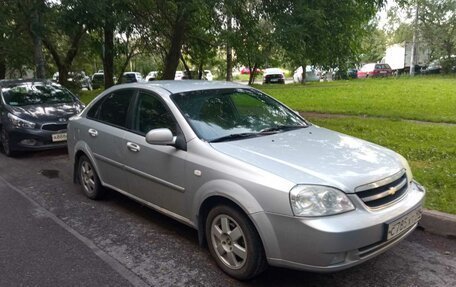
column 273, row 75
column 131, row 77
column 76, row 80
column 97, row 80
column 373, row 70
column 207, row 75
column 34, row 115
column 152, row 76
column 179, row 75
column 259, row 183
column 312, row 74
column 246, row 71
column 433, row 68
column 352, row 73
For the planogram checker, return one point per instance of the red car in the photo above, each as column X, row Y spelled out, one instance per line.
column 246, row 71
column 373, row 70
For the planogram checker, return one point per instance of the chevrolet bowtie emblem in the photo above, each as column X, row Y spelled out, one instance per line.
column 392, row 190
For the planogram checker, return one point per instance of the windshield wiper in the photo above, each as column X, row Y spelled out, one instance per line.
column 281, row 128
column 233, row 137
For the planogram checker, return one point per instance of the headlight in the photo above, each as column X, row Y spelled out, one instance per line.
column 317, row 200
column 20, row 123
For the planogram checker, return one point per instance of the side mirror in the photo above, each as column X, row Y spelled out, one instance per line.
column 160, row 137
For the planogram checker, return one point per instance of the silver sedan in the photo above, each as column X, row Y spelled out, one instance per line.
column 260, row 184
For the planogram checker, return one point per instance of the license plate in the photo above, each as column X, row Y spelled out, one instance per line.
column 59, row 137
column 400, row 225
column 383, row 72
column 274, row 80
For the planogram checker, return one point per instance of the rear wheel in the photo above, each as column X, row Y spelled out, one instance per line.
column 234, row 243
column 89, row 179
column 4, row 136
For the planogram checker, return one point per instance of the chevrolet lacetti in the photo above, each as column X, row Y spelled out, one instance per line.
column 260, row 184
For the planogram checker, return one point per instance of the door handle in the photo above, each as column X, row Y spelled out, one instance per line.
column 93, row 132
column 133, row 147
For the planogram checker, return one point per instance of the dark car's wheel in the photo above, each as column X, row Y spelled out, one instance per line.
column 6, row 145
column 89, row 179
column 234, row 243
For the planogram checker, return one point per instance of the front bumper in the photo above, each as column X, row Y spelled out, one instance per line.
column 332, row 243
column 33, row 139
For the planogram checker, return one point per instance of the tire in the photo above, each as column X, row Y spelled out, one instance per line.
column 234, row 243
column 88, row 178
column 6, row 145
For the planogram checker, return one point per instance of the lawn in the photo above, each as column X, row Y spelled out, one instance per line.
column 384, row 105
column 420, row 98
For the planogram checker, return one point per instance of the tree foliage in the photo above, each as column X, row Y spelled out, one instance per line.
column 198, row 33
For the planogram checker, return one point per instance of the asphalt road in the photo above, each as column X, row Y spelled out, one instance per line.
column 51, row 235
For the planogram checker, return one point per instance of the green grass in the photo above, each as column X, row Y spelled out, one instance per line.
column 87, row 96
column 420, row 98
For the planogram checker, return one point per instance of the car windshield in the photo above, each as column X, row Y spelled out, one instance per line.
column 36, row 93
column 219, row 115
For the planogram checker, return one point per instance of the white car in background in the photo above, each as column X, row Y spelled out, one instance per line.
column 152, row 76
column 207, row 75
column 178, row 76
column 273, row 75
column 132, row 77
column 312, row 74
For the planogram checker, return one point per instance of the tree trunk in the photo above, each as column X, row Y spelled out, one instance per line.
column 40, row 72
column 2, row 68
column 63, row 74
column 174, row 52
column 229, row 55
column 187, row 68
column 252, row 74
column 108, row 55
column 200, row 71
column 303, row 74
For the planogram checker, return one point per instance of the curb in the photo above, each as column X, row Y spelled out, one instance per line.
column 439, row 223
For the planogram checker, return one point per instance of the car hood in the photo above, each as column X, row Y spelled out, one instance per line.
column 315, row 155
column 46, row 113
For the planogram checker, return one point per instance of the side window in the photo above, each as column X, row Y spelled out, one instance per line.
column 114, row 109
column 378, row 67
column 93, row 112
column 151, row 113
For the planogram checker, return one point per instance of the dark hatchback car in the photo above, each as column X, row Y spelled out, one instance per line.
column 34, row 115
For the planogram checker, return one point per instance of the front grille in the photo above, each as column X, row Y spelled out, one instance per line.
column 378, row 194
column 54, row 127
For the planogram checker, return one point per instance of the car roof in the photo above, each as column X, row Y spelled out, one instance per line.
column 191, row 85
column 273, row 71
column 19, row 81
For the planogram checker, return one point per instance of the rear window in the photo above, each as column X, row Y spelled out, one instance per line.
column 35, row 93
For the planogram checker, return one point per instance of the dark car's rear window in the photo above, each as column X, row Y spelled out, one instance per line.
column 36, row 93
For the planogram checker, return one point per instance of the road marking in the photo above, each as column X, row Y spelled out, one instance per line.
column 130, row 276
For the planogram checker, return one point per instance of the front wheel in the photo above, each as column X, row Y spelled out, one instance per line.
column 234, row 243
column 4, row 136
column 89, row 180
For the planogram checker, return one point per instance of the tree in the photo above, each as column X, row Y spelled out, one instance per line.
column 437, row 25
column 325, row 33
column 373, row 44
column 62, row 29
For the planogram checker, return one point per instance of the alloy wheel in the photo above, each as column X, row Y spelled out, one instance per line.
column 229, row 241
column 87, row 177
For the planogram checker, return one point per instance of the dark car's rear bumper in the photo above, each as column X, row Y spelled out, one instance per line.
column 33, row 139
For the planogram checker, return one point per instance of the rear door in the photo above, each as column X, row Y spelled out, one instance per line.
column 104, row 132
